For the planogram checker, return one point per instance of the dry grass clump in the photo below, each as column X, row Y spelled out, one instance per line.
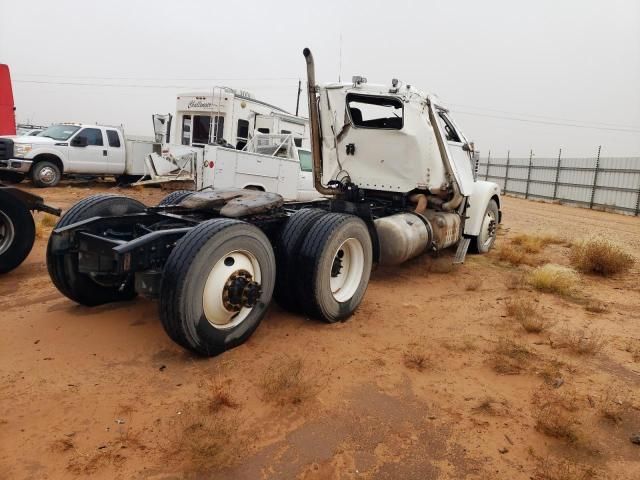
column 633, row 347
column 600, row 256
column 285, row 381
column 416, row 359
column 472, row 286
column 218, row 397
column 44, row 222
column 527, row 314
column 553, row 278
column 596, row 306
column 563, row 470
column 614, row 404
column 509, row 357
column 516, row 281
column 464, row 344
column 535, row 243
column 580, row 342
column 556, row 414
column 515, row 256
column 201, row 439
column 441, row 265
column 491, row 406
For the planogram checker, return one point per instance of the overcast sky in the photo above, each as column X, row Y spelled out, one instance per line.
column 516, row 74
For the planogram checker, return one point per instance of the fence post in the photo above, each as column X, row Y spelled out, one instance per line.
column 638, row 199
column 506, row 171
column 486, row 172
column 526, row 192
column 555, row 185
column 595, row 178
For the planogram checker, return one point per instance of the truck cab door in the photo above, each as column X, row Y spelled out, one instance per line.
column 460, row 157
column 116, row 152
column 88, row 152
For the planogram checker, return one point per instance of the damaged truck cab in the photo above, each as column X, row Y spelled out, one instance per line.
column 397, row 179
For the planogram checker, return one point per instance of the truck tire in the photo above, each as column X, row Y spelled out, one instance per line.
column 217, row 285
column 84, row 288
column 45, row 174
column 484, row 242
column 287, row 251
column 17, row 232
column 11, row 177
column 175, row 198
column 335, row 265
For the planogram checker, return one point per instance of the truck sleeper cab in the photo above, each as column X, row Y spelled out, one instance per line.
column 395, row 187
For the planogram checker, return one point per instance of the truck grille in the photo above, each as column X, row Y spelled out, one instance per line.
column 6, row 148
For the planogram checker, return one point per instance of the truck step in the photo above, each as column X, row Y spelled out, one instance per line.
column 461, row 252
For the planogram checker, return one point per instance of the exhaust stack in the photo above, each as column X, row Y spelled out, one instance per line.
column 314, row 120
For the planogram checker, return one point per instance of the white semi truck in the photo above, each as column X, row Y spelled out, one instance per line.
column 398, row 177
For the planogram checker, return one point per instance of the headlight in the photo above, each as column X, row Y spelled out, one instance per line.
column 21, row 149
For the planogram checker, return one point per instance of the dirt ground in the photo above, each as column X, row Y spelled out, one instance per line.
column 430, row 379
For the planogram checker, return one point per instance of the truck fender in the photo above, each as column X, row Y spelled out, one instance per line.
column 49, row 155
column 483, row 193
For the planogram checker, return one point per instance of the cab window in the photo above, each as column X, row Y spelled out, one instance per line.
column 449, row 129
column 93, row 136
column 306, row 162
column 368, row 111
column 114, row 138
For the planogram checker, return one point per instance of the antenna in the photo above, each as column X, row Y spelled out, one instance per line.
column 298, row 100
column 340, row 61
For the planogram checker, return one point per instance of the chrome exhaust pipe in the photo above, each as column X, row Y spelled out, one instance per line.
column 314, row 120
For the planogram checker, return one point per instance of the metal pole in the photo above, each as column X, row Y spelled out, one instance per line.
column 506, row 172
column 638, row 199
column 486, row 173
column 555, row 186
column 526, row 193
column 298, row 100
column 595, row 178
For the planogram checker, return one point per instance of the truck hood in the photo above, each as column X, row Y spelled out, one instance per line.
column 36, row 140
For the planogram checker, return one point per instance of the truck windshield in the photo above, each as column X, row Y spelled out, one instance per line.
column 59, row 132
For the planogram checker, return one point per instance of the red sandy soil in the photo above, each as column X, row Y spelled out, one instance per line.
column 406, row 389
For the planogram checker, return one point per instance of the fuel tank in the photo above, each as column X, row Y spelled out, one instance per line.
column 402, row 236
column 406, row 235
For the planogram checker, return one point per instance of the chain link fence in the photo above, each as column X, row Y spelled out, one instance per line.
column 606, row 183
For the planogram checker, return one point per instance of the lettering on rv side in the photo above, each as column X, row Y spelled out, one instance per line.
column 200, row 104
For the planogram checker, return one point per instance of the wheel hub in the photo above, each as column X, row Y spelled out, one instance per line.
column 336, row 268
column 7, row 232
column 240, row 291
column 47, row 174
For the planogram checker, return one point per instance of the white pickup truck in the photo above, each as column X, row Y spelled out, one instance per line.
column 72, row 148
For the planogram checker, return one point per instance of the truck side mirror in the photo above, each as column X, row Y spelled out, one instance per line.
column 468, row 147
column 79, row 141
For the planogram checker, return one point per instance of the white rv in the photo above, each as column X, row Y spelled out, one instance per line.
column 229, row 116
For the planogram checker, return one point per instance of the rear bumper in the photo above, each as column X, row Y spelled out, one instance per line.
column 16, row 165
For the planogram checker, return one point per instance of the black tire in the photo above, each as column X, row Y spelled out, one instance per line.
column 188, row 267
column 45, row 174
column 481, row 244
column 11, row 177
column 17, row 232
column 288, row 245
column 175, row 198
column 320, row 248
column 80, row 287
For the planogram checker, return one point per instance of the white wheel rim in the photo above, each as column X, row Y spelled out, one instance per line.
column 47, row 175
column 7, row 232
column 213, row 303
column 350, row 256
column 488, row 223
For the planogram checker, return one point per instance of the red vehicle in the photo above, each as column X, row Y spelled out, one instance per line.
column 7, row 108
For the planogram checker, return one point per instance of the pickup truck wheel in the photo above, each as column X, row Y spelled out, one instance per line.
column 86, row 289
column 335, row 264
column 11, row 177
column 484, row 242
column 287, row 251
column 175, row 198
column 217, row 285
column 45, row 174
column 17, row 232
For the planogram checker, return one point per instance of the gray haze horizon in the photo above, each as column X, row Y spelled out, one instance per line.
column 517, row 75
